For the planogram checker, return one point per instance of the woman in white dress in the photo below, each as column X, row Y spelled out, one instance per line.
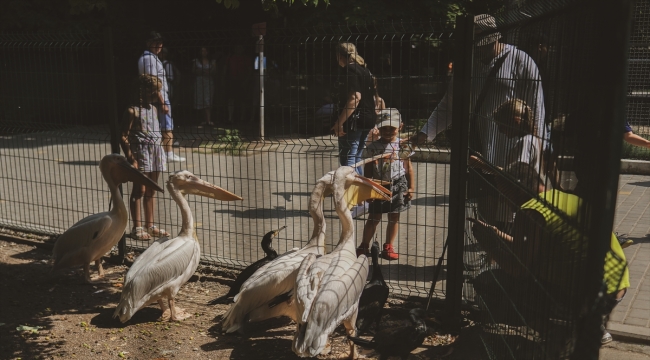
column 204, row 70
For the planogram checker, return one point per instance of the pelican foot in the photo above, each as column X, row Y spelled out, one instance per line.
column 166, row 315
column 179, row 314
column 353, row 355
column 327, row 349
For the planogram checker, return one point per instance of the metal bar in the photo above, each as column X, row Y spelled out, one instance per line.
column 458, row 169
column 606, row 99
column 113, row 119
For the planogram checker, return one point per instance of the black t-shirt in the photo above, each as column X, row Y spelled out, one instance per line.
column 356, row 78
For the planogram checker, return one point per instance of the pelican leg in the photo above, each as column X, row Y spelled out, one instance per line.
column 87, row 274
column 178, row 314
column 100, row 268
column 351, row 329
column 166, row 312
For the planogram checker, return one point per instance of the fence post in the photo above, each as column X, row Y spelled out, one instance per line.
column 458, row 169
column 113, row 118
column 606, row 95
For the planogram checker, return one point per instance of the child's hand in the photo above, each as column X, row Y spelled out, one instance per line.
column 408, row 195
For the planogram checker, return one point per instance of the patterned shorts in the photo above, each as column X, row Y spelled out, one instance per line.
column 398, row 204
column 150, row 157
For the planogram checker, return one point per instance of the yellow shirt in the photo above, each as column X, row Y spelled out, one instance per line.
column 570, row 238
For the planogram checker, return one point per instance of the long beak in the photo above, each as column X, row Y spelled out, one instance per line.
column 204, row 188
column 276, row 232
column 135, row 175
column 364, row 189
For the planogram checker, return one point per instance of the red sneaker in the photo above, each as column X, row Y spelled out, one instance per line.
column 363, row 250
column 389, row 253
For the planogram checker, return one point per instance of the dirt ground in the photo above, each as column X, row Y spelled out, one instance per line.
column 61, row 317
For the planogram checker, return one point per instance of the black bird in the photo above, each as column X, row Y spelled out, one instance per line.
column 252, row 268
column 374, row 296
column 398, row 341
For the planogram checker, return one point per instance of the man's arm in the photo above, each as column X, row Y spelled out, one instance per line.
column 439, row 120
column 636, row 140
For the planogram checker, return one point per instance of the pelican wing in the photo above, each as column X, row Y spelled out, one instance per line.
column 336, row 301
column 271, row 280
column 75, row 245
column 161, row 269
column 307, row 285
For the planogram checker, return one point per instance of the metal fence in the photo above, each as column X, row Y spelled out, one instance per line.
column 638, row 87
column 52, row 155
column 535, row 243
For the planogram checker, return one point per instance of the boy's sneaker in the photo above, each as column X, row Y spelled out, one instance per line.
column 607, row 338
column 363, row 250
column 389, row 253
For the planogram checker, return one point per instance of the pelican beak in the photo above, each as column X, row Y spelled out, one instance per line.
column 204, row 188
column 363, row 189
column 136, row 176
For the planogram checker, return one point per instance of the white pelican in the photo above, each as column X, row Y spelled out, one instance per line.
column 277, row 278
column 92, row 237
column 328, row 288
column 167, row 264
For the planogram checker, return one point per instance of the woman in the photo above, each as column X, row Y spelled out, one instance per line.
column 356, row 103
column 204, row 70
column 357, row 109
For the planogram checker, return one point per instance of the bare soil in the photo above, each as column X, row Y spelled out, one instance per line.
column 70, row 319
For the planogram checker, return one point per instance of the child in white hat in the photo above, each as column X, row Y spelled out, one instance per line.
column 396, row 174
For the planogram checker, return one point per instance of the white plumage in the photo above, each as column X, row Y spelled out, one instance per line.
column 92, row 237
column 328, row 288
column 161, row 270
column 279, row 276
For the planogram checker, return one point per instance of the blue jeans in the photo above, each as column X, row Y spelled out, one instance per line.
column 351, row 147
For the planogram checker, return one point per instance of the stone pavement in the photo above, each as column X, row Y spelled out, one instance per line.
column 632, row 316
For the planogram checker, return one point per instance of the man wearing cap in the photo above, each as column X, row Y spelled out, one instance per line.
column 501, row 72
column 150, row 64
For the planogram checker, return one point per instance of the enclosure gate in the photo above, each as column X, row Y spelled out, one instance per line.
column 542, row 283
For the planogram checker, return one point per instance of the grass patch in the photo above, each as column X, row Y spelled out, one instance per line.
column 228, row 141
column 635, row 152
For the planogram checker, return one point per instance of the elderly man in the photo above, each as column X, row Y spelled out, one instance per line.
column 150, row 64
column 501, row 72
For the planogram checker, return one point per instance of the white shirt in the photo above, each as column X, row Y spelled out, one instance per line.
column 149, row 64
column 518, row 78
column 385, row 169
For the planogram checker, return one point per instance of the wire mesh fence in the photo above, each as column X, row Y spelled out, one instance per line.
column 638, row 98
column 214, row 83
column 541, row 261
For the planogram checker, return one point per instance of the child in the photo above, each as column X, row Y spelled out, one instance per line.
column 394, row 171
column 141, row 143
column 515, row 120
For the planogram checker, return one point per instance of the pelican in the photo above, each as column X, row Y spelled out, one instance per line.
column 167, row 264
column 92, row 237
column 271, row 254
column 277, row 278
column 328, row 288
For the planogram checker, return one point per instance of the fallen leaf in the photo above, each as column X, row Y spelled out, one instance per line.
column 117, row 285
column 32, row 329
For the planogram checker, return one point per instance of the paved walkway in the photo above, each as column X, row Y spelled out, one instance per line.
column 632, row 315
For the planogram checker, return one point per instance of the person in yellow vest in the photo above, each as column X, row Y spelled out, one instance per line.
column 547, row 245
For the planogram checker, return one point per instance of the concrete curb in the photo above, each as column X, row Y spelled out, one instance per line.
column 629, row 333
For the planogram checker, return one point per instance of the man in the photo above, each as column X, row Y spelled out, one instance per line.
column 540, row 261
column 150, row 64
column 514, row 75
